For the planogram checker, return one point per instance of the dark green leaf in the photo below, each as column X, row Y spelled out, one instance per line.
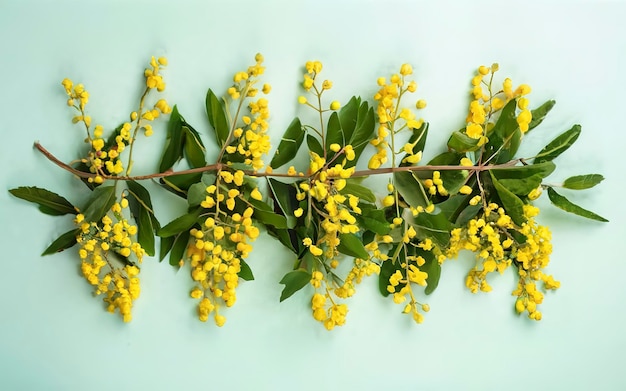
column 581, row 182
column 141, row 209
column 348, row 115
column 314, row 145
column 387, row 268
column 63, row 242
column 289, row 144
column 245, row 273
column 512, row 204
column 351, row 245
column 100, row 202
column 194, row 150
column 49, row 203
column 433, row 268
column 284, row 195
column 558, row 145
column 179, row 184
column 334, row 133
column 180, row 224
column 264, row 214
column 539, row 114
column 173, row 151
column 357, row 190
column 178, row 248
column 365, row 124
column 374, row 220
column 196, row 194
column 453, row 180
column 433, row 226
column 217, row 117
column 294, row 281
column 165, row 246
column 504, row 138
column 522, row 186
column 568, row 206
column 519, row 172
column 411, row 189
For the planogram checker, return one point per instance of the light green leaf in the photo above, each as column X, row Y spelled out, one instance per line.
column 294, row 281
column 539, row 114
column 519, row 172
column 568, row 206
column 558, row 145
column 357, row 190
column 461, row 142
column 49, row 203
column 522, row 186
column 289, row 144
column 581, row 182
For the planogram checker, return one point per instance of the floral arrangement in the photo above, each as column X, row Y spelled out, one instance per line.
column 477, row 195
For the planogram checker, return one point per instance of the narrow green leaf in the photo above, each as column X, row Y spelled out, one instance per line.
column 363, row 131
column 63, row 242
column 411, row 189
column 284, row 195
column 100, row 202
column 294, row 281
column 351, row 245
column 558, row 145
column 387, row 268
column 141, row 209
column 433, row 268
column 217, row 117
column 519, row 172
column 49, row 203
column 289, row 144
column 264, row 214
column 173, row 151
column 433, row 226
column 419, row 138
column 334, row 133
column 194, row 150
column 165, row 246
column 314, row 145
column 179, row 184
column 568, row 206
column 581, row 182
column 178, row 248
column 512, row 204
column 357, row 190
column 245, row 273
column 348, row 115
column 539, row 114
column 180, row 224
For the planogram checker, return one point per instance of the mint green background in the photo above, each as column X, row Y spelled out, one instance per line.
column 55, row 336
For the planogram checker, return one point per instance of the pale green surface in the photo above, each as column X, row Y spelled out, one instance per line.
column 55, row 336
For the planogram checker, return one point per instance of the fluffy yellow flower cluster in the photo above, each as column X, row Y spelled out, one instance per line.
column 389, row 98
column 217, row 249
column 499, row 243
column 486, row 103
column 97, row 240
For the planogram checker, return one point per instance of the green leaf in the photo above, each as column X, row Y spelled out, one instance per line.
column 179, row 247
column 141, row 209
column 357, row 190
column 348, row 115
column 245, row 273
column 351, row 245
column 520, row 172
column 512, row 204
column 180, row 224
column 197, row 192
column 217, row 117
column 374, row 220
column 289, row 144
column 99, row 203
column 194, row 150
column 179, row 184
column 314, row 145
column 387, row 268
column 581, row 182
column 568, row 206
column 522, row 186
column 461, row 142
column 294, row 281
column 453, row 180
column 539, row 114
column 284, row 195
column 505, row 137
column 433, row 226
column 334, row 133
column 165, row 246
column 264, row 214
column 63, row 242
column 411, row 189
column 49, row 203
column 558, row 145
column 365, row 124
column 173, row 151
column 433, row 268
